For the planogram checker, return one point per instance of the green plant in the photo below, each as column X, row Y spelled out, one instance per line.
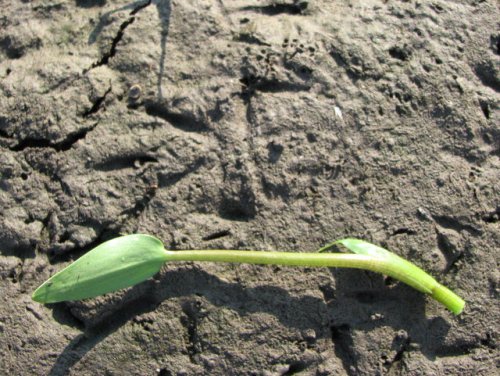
column 128, row 260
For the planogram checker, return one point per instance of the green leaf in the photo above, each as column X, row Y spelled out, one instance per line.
column 407, row 272
column 113, row 265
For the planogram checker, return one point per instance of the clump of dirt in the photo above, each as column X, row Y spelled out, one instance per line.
column 277, row 125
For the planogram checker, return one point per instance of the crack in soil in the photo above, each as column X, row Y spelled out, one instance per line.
column 97, row 104
column 104, row 60
column 216, row 235
column 126, row 161
column 391, row 364
column 275, row 9
column 108, row 232
column 192, row 316
column 63, row 145
column 162, row 181
column 341, row 337
column 252, row 84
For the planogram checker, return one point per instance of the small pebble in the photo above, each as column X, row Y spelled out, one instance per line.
column 309, row 334
column 376, row 317
column 135, row 92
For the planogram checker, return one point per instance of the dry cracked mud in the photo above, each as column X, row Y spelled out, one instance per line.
column 277, row 125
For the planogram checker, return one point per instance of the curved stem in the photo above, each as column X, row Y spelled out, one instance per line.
column 422, row 282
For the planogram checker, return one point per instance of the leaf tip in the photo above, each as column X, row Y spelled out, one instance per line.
column 37, row 295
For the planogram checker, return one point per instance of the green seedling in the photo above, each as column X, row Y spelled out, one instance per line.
column 127, row 260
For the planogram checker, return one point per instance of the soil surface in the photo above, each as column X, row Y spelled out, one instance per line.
column 273, row 125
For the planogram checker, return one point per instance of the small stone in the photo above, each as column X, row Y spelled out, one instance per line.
column 135, row 92
column 423, row 213
column 309, row 334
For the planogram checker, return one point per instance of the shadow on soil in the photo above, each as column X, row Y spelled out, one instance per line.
column 343, row 311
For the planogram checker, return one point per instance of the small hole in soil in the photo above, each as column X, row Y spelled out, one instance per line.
column 295, row 367
column 165, row 372
column 328, row 293
column 400, row 53
column 495, row 43
column 339, row 331
column 403, row 230
column 485, row 108
column 389, row 281
column 311, row 137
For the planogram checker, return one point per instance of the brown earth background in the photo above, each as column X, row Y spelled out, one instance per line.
column 273, row 125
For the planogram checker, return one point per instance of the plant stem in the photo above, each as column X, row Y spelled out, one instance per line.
column 424, row 283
